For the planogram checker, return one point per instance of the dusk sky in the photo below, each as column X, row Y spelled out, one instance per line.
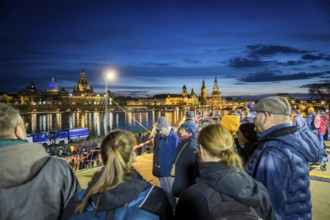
column 155, row 47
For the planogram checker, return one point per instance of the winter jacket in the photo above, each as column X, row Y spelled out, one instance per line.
column 310, row 122
column 246, row 151
column 33, row 184
column 186, row 167
column 167, row 147
column 155, row 161
column 281, row 163
column 323, row 126
column 299, row 121
column 232, row 182
column 124, row 193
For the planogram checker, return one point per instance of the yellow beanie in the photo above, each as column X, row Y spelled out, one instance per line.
column 310, row 109
column 231, row 123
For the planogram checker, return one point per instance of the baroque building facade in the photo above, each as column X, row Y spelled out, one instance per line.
column 185, row 98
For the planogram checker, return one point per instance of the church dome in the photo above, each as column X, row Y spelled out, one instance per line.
column 53, row 87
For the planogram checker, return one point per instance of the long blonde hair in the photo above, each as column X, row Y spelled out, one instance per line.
column 218, row 142
column 117, row 155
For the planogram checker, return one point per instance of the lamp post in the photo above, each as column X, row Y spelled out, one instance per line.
column 108, row 76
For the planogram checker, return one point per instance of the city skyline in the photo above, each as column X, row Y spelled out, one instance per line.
column 252, row 47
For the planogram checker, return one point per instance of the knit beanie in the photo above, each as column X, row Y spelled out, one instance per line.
column 247, row 129
column 162, row 122
column 231, row 123
column 190, row 115
column 310, row 109
column 190, row 126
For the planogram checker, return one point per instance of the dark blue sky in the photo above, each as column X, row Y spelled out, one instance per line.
column 252, row 47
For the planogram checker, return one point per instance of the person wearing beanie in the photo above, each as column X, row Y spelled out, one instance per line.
column 247, row 139
column 231, row 123
column 186, row 158
column 298, row 120
column 281, row 149
column 310, row 120
column 323, row 127
column 167, row 148
column 190, row 116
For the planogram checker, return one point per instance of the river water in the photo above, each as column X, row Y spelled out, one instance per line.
column 96, row 121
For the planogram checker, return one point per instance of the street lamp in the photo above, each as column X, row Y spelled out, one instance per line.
column 109, row 76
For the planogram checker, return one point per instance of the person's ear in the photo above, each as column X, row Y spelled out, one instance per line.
column 201, row 152
column 20, row 132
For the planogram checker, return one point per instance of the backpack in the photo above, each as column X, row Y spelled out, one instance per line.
column 131, row 210
column 317, row 121
column 224, row 207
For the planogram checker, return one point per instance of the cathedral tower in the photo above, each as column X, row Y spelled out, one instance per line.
column 203, row 94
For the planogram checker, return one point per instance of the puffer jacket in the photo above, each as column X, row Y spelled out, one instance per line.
column 33, row 185
column 167, row 147
column 281, row 163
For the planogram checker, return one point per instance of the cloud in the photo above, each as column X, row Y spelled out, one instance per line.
column 192, row 61
column 240, row 62
column 156, row 64
column 258, row 50
column 269, row 76
column 290, row 63
column 321, row 84
column 312, row 57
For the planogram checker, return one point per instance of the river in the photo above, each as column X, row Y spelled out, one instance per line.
column 139, row 121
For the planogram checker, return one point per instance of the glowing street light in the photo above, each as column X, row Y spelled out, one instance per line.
column 109, row 76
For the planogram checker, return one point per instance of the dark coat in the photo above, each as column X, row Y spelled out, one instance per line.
column 155, row 161
column 234, row 183
column 186, row 167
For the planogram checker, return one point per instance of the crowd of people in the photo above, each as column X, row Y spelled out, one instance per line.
column 251, row 164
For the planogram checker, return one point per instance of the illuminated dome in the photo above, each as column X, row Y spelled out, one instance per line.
column 53, row 87
column 82, row 85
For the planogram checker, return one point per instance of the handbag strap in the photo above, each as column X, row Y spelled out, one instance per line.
column 176, row 159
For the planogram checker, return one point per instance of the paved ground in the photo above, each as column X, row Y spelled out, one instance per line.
column 320, row 183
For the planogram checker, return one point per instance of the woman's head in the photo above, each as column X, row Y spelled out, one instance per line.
column 217, row 144
column 117, row 155
column 118, row 144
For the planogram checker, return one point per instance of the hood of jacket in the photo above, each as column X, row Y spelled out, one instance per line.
column 122, row 194
column 301, row 139
column 236, row 184
column 20, row 161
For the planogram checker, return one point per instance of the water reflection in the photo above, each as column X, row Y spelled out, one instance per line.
column 96, row 121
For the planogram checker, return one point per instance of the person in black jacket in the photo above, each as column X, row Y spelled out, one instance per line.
column 247, row 139
column 186, row 158
column 118, row 184
column 221, row 169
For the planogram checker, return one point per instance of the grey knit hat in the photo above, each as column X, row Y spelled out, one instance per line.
column 162, row 122
column 190, row 115
column 274, row 104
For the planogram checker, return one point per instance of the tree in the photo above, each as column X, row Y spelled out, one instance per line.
column 319, row 90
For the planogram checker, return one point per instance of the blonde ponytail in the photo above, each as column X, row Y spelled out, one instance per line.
column 116, row 152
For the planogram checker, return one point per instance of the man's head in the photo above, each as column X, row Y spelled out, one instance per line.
column 190, row 115
column 11, row 123
column 190, row 127
column 164, row 126
column 271, row 111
